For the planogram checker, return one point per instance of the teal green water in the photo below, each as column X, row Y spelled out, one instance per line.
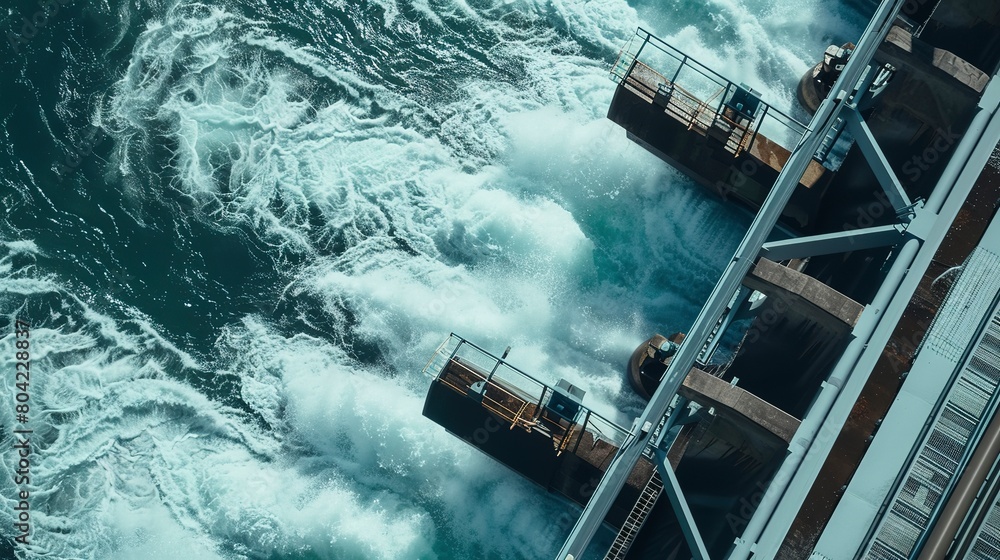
column 239, row 230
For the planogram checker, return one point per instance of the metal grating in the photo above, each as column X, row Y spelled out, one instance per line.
column 970, row 401
column 987, row 542
column 974, row 290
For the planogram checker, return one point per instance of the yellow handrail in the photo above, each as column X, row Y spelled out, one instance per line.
column 565, row 440
column 518, row 415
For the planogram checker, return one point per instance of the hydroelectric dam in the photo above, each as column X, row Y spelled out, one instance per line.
column 857, row 416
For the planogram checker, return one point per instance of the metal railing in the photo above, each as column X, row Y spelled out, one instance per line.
column 513, row 395
column 693, row 92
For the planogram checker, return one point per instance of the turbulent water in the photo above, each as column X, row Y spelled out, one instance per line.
column 236, row 231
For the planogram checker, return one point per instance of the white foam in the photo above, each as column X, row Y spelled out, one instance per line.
column 509, row 211
column 490, row 249
column 767, row 45
column 370, row 428
column 130, row 463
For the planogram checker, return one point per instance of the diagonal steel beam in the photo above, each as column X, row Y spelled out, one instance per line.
column 673, row 489
column 876, row 159
column 830, row 243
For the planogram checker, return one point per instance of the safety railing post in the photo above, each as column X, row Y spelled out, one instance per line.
column 583, row 428
column 763, row 115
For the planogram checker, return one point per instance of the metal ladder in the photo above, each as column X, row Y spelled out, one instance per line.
column 637, row 518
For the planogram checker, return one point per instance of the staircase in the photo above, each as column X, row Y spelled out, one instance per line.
column 636, row 519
